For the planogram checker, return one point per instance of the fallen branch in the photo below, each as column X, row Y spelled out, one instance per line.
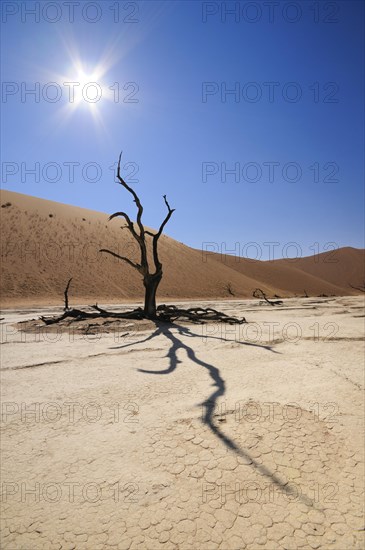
column 133, row 314
column 166, row 313
column 196, row 315
column 79, row 315
column 258, row 293
column 76, row 314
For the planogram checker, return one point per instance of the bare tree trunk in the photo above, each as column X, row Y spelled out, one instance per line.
column 66, row 295
column 151, row 283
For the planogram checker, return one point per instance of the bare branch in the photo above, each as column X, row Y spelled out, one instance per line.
column 130, row 225
column 141, row 240
column 134, row 314
column 169, row 214
column 167, row 313
column 135, row 197
column 127, row 260
column 157, row 235
column 196, row 314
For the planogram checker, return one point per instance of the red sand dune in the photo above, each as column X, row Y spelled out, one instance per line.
column 44, row 243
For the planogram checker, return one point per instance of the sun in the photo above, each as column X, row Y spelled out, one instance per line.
column 88, row 85
column 86, row 88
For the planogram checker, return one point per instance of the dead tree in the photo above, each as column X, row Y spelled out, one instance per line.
column 258, row 293
column 229, row 289
column 151, row 278
column 66, row 295
column 360, row 288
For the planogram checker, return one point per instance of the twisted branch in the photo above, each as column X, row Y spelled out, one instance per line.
column 157, row 235
column 123, row 258
column 130, row 225
column 140, row 237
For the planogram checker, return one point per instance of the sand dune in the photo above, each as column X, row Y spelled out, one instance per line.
column 44, row 243
column 190, row 436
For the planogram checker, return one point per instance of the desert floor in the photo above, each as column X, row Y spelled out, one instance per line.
column 195, row 437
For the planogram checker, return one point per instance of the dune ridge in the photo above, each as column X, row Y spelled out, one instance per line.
column 44, row 243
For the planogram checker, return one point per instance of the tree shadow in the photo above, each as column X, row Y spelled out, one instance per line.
column 165, row 329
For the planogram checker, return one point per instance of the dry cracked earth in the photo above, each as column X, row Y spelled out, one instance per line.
column 187, row 437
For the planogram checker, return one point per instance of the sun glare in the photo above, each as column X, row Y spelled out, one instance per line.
column 87, row 86
column 85, row 89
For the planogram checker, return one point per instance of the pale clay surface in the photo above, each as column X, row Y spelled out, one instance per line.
column 280, row 467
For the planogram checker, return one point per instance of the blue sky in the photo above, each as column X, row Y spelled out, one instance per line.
column 292, row 131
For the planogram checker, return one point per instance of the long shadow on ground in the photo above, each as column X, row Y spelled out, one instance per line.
column 164, row 329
